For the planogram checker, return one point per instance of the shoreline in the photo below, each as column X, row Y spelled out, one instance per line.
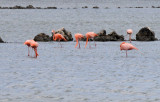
column 54, row 7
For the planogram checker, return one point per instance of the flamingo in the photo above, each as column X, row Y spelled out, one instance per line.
column 90, row 35
column 78, row 37
column 58, row 37
column 129, row 31
column 34, row 45
column 127, row 46
column 28, row 43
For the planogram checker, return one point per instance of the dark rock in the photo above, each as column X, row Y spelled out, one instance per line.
column 113, row 36
column 38, row 7
column 118, row 7
column 51, row 7
column 145, row 34
column 85, row 7
column 106, row 8
column 30, row 7
column 5, row 8
column 65, row 33
column 102, row 33
column 96, row 7
column 153, row 6
column 1, row 41
column 18, row 7
column 42, row 37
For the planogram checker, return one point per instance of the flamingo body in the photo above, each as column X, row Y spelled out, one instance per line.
column 78, row 37
column 127, row 46
column 90, row 35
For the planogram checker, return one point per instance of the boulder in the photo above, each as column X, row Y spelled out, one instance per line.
column 65, row 33
column 42, row 37
column 96, row 7
column 30, row 7
column 85, row 7
column 145, row 34
column 17, row 7
column 113, row 36
column 51, row 7
column 1, row 41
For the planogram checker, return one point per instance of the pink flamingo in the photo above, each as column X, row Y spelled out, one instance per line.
column 34, row 45
column 58, row 37
column 90, row 35
column 127, row 46
column 28, row 43
column 78, row 37
column 129, row 32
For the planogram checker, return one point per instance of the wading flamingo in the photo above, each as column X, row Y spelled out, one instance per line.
column 28, row 43
column 34, row 45
column 90, row 35
column 127, row 46
column 58, row 37
column 129, row 32
column 78, row 37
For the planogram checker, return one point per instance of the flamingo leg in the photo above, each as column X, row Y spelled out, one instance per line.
column 60, row 43
column 94, row 43
column 89, row 43
column 28, row 50
column 79, row 44
column 126, row 54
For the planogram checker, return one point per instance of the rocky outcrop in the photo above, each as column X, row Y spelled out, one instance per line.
column 145, row 34
column 65, row 33
column 113, row 36
column 1, row 41
column 96, row 7
column 42, row 37
column 51, row 8
column 30, row 7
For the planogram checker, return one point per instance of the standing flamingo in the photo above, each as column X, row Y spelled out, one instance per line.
column 78, row 37
column 90, row 35
column 28, row 43
column 127, row 46
column 129, row 31
column 34, row 45
column 58, row 37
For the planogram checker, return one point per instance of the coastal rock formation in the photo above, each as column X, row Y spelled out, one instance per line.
column 65, row 33
column 30, row 7
column 51, row 8
column 1, row 41
column 145, row 34
column 96, row 7
column 17, row 7
column 113, row 36
column 42, row 37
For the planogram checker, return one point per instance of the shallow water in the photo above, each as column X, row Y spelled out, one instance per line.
column 68, row 74
column 101, row 74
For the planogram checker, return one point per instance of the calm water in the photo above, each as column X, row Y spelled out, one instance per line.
column 101, row 74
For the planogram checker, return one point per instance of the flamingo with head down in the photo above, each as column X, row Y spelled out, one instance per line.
column 58, row 37
column 78, row 37
column 90, row 35
column 32, row 44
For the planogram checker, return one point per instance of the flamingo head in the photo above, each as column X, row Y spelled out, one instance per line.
column 53, row 32
column 129, row 31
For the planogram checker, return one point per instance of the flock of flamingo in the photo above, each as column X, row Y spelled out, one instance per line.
column 90, row 35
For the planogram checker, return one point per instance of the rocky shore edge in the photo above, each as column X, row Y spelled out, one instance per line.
column 144, row 34
column 54, row 7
